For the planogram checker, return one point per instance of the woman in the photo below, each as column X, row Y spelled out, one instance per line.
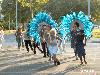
column 19, row 37
column 74, row 33
column 52, row 44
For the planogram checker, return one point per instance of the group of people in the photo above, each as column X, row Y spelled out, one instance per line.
column 50, row 42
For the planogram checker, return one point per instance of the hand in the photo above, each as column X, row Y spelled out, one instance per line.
column 84, row 44
column 58, row 45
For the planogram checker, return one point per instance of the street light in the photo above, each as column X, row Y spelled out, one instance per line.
column 31, row 9
column 16, row 16
column 89, row 8
column 9, row 17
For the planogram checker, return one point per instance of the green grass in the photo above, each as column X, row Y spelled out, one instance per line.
column 7, row 32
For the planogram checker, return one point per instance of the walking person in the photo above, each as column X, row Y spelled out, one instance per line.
column 80, row 46
column 53, row 47
column 27, row 40
column 19, row 37
column 46, row 36
column 43, row 40
column 1, row 37
column 74, row 33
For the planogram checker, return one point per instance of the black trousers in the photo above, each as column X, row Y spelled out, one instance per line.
column 35, row 45
column 45, row 49
column 27, row 44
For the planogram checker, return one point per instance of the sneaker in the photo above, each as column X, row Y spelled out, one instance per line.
column 34, row 52
column 85, row 62
column 58, row 63
column 81, row 63
column 44, row 56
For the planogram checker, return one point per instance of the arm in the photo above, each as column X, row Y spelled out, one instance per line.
column 85, row 40
column 58, row 38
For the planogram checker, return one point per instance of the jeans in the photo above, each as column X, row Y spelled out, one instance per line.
column 20, row 42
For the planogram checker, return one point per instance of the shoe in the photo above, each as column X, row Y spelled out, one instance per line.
column 49, row 59
column 76, row 58
column 41, row 51
column 27, row 51
column 44, row 56
column 58, row 63
column 48, row 55
column 34, row 52
column 55, row 63
column 85, row 62
column 81, row 63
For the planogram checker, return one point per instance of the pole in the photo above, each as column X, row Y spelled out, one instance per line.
column 9, row 22
column 16, row 16
column 89, row 8
column 31, row 9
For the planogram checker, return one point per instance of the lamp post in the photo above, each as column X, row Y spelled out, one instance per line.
column 16, row 16
column 9, row 23
column 89, row 8
column 9, row 17
column 31, row 9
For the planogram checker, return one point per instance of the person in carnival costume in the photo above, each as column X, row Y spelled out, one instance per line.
column 74, row 33
column 44, row 40
column 46, row 36
column 80, row 46
column 69, row 30
column 53, row 47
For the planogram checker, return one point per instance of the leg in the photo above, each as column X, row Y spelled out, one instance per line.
column 56, row 61
column 30, row 44
column 22, row 42
column 76, row 54
column 48, row 54
column 81, row 60
column 26, row 45
column 19, row 43
column 34, row 45
column 39, row 48
column 44, row 50
column 84, row 59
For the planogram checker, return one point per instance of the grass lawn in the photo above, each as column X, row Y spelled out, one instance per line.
column 7, row 32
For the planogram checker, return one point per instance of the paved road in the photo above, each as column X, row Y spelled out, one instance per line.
column 19, row 62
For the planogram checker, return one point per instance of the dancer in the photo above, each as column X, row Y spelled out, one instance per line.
column 1, row 37
column 74, row 33
column 46, row 36
column 53, row 48
column 19, row 37
column 80, row 46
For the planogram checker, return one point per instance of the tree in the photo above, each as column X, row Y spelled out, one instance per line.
column 59, row 8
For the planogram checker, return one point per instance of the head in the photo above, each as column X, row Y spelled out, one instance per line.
column 20, row 29
column 53, row 32
column 48, row 28
column 75, row 26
